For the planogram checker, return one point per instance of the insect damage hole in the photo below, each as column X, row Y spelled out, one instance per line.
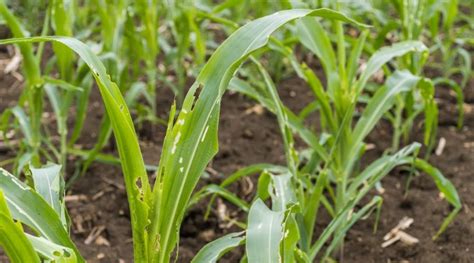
column 139, row 185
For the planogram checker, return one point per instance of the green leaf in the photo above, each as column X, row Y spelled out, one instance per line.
column 313, row 36
column 312, row 206
column 446, row 187
column 283, row 194
column 321, row 97
column 431, row 111
column 30, row 63
column 384, row 55
column 51, row 251
column 375, row 203
column 192, row 142
column 361, row 185
column 222, row 192
column 290, row 239
column 293, row 121
column 353, row 63
column 288, row 140
column 382, row 101
column 381, row 167
column 47, row 180
column 459, row 96
column 62, row 84
column 263, row 186
column 24, row 122
column 379, row 104
column 12, row 238
column 136, row 178
column 31, row 209
column 62, row 26
column 212, row 251
column 264, row 234
column 251, row 170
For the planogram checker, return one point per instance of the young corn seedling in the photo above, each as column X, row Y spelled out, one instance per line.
column 191, row 139
column 413, row 15
column 33, row 91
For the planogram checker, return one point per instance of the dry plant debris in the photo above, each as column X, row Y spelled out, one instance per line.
column 396, row 234
column 440, row 147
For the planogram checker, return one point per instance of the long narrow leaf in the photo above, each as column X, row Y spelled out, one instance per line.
column 212, row 251
column 136, row 179
column 384, row 55
column 12, row 238
column 31, row 209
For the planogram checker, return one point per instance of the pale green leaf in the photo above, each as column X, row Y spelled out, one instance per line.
column 12, row 238
column 47, row 181
column 51, row 251
column 264, row 234
column 31, row 209
column 384, row 55
column 212, row 251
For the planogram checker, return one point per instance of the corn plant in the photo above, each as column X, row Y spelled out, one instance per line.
column 41, row 208
column 333, row 159
column 191, row 139
column 73, row 85
column 296, row 198
column 33, row 91
column 432, row 22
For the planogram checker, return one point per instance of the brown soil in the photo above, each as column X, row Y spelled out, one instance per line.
column 254, row 138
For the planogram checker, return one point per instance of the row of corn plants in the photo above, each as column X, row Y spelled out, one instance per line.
column 128, row 37
column 327, row 172
column 432, row 22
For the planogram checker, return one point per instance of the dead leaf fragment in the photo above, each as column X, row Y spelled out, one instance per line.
column 396, row 234
column 441, row 146
column 75, row 198
column 102, row 241
column 94, row 234
column 257, row 109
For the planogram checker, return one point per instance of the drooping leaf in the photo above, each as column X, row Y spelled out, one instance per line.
column 212, row 251
column 384, row 55
column 313, row 36
column 51, row 251
column 445, row 187
column 222, row 192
